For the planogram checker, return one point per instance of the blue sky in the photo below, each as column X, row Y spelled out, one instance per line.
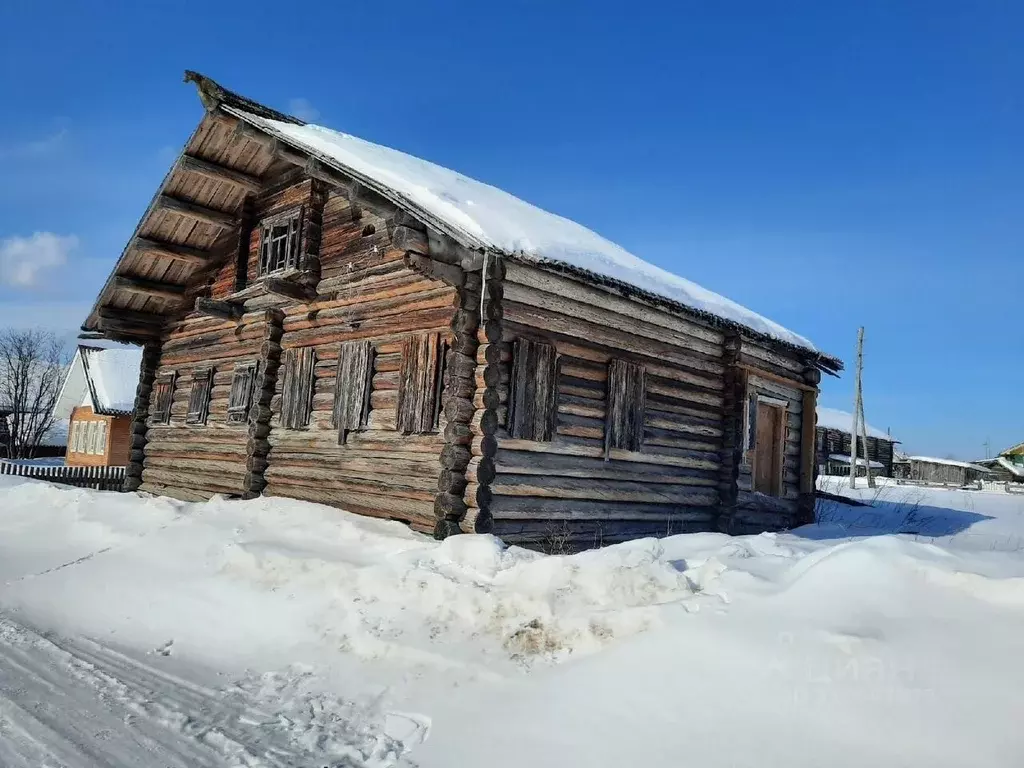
column 826, row 164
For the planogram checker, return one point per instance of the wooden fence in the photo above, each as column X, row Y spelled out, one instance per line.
column 1014, row 488
column 99, row 478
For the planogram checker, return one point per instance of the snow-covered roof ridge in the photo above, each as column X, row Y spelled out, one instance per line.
column 833, row 418
column 950, row 462
column 112, row 376
column 485, row 218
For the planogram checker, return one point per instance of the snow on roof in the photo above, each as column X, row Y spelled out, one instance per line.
column 833, row 418
column 113, row 375
column 1005, row 463
column 483, row 216
column 860, row 462
column 950, row 462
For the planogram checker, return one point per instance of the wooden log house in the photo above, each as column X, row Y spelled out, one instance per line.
column 98, row 396
column 330, row 320
column 834, row 445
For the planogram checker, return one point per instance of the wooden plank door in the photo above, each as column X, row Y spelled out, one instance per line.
column 768, row 449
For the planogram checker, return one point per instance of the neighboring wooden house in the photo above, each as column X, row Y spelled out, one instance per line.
column 946, row 471
column 833, row 445
column 1008, row 466
column 99, row 426
column 331, row 320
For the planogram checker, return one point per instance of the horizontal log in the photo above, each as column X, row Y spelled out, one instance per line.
column 201, row 213
column 418, row 513
column 288, row 289
column 604, row 490
column 161, row 250
column 437, row 270
column 217, row 172
column 222, row 309
column 632, row 307
column 409, row 239
column 145, row 287
column 526, row 507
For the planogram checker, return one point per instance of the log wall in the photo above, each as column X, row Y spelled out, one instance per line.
column 829, row 441
column 196, row 461
column 565, row 493
column 366, row 291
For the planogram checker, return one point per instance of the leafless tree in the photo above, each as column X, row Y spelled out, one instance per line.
column 32, row 367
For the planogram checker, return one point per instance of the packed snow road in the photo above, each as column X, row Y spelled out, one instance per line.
column 75, row 702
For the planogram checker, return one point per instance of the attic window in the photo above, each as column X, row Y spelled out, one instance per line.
column 279, row 241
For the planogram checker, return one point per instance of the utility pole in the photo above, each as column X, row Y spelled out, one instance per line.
column 988, row 448
column 863, row 421
column 854, row 431
column 860, row 424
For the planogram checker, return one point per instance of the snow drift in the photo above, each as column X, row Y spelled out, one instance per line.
column 276, row 632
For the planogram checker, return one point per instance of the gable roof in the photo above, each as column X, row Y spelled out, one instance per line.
column 833, row 418
column 111, row 376
column 488, row 220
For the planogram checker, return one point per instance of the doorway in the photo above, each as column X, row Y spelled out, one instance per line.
column 768, row 443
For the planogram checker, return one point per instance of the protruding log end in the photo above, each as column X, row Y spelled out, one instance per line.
column 445, row 528
column 448, row 505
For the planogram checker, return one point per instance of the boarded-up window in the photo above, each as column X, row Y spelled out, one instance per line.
column 352, row 387
column 419, row 393
column 297, row 387
column 240, row 397
column 533, row 390
column 163, row 394
column 279, row 241
column 199, row 396
column 627, row 395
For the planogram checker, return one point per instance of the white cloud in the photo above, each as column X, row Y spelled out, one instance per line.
column 24, row 259
column 303, row 110
column 37, row 148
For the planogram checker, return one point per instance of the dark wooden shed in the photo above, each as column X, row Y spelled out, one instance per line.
column 331, row 320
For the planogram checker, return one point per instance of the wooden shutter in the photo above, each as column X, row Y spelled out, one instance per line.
column 163, row 394
column 297, row 387
column 199, row 397
column 627, row 395
column 533, row 393
column 420, row 385
column 352, row 387
column 240, row 397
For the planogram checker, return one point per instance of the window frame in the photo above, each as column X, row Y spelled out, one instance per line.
column 101, row 437
column 168, row 380
column 421, row 383
column 295, row 383
column 238, row 413
column 524, row 420
column 353, row 385
column 293, row 219
column 625, row 411
column 199, row 397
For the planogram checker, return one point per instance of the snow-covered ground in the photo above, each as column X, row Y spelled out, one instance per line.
column 138, row 631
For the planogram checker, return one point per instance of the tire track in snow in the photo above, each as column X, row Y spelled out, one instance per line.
column 77, row 703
